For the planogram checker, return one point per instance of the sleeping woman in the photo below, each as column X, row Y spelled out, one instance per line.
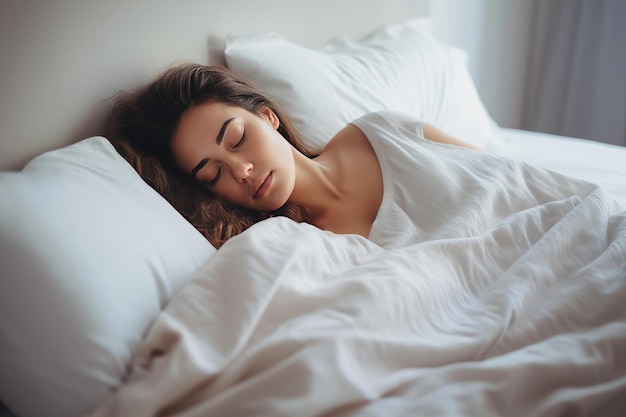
column 225, row 156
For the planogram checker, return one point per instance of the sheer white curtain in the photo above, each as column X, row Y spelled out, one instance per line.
column 577, row 74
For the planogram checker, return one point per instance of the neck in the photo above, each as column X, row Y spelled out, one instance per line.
column 316, row 187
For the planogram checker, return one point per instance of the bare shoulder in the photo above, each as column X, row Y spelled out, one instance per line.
column 351, row 150
column 354, row 160
column 437, row 135
column 358, row 177
column 350, row 137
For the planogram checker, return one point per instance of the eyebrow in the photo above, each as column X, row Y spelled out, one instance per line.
column 218, row 140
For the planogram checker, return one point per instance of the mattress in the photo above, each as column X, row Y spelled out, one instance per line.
column 597, row 162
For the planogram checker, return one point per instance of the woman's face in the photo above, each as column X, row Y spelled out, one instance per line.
column 236, row 154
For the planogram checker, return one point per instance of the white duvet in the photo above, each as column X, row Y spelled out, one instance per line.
column 526, row 318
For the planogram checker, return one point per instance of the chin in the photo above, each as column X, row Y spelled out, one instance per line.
column 274, row 207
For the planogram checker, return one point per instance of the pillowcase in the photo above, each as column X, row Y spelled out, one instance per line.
column 90, row 254
column 401, row 68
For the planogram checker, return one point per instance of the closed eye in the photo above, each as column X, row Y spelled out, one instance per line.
column 217, row 177
column 241, row 141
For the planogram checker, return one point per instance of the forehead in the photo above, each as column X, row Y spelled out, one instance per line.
column 197, row 130
column 204, row 116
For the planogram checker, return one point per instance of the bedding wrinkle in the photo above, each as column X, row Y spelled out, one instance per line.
column 507, row 302
column 543, row 309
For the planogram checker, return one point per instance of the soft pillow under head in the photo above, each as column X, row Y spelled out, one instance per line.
column 401, row 68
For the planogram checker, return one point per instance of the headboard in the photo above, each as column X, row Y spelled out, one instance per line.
column 61, row 60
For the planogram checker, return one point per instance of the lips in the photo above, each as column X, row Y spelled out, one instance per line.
column 262, row 185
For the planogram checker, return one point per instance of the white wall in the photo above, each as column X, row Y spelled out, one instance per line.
column 496, row 35
column 60, row 58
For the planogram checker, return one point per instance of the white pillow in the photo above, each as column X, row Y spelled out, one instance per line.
column 401, row 68
column 90, row 254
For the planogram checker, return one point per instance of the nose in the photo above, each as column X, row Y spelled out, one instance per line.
column 241, row 168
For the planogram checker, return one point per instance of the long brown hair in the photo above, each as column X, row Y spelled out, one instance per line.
column 142, row 122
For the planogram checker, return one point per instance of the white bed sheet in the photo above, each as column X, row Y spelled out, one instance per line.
column 597, row 162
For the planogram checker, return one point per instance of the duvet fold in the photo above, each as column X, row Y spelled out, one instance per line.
column 526, row 318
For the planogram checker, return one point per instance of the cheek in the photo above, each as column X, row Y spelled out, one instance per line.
column 230, row 190
column 287, row 152
column 289, row 166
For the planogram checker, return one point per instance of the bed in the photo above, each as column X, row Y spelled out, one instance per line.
column 112, row 304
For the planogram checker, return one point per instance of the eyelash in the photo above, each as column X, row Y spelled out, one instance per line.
column 241, row 141
column 217, row 176
column 219, row 170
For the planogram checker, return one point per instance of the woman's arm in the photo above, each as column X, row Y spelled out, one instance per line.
column 438, row 135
